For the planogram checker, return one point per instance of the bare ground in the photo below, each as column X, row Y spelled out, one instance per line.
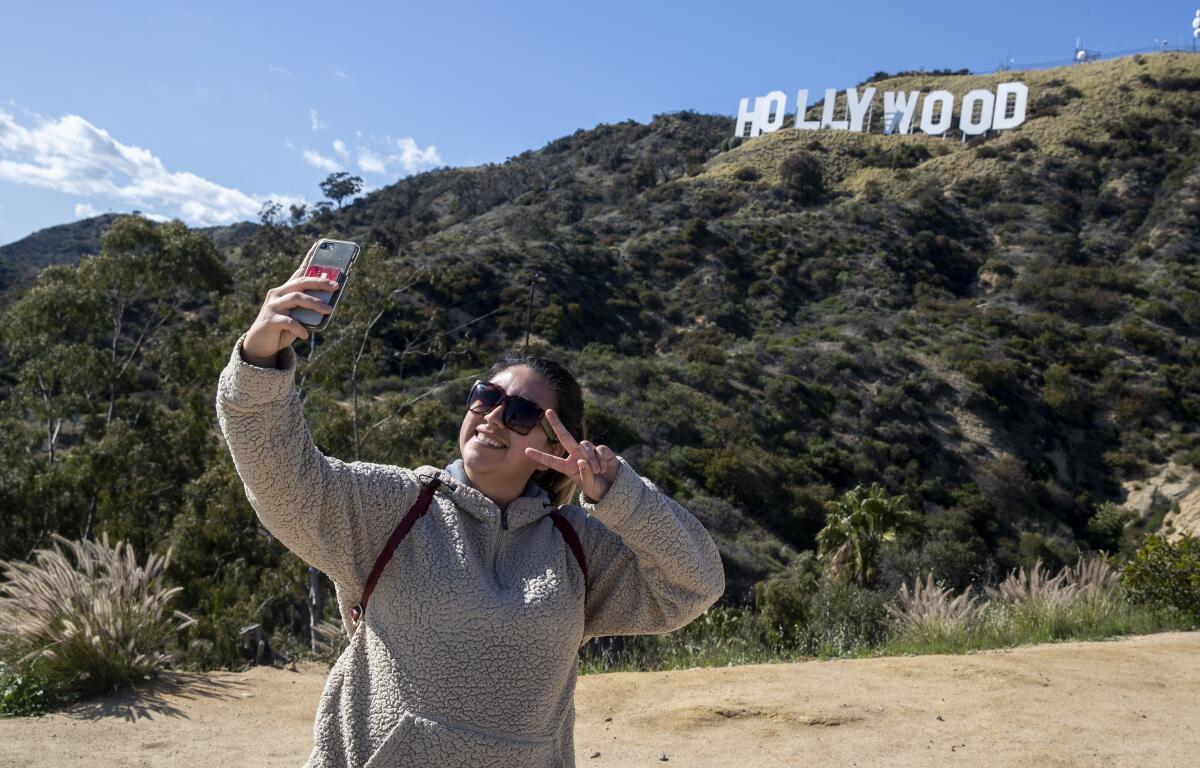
column 1130, row 702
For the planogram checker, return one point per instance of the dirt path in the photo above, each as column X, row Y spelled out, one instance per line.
column 1132, row 702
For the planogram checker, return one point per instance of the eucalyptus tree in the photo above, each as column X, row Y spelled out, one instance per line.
column 105, row 358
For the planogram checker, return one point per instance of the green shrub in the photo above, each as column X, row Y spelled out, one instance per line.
column 1064, row 394
column 25, row 690
column 1190, row 458
column 1166, row 574
column 1178, row 84
column 803, row 177
column 1001, row 380
column 695, row 232
column 746, row 173
column 844, row 618
column 784, row 598
column 721, row 636
column 895, row 156
column 1107, row 525
column 92, row 624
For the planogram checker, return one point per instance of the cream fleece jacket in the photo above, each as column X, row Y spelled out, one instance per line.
column 468, row 652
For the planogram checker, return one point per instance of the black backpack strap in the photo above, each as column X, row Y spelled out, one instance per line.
column 568, row 532
column 418, row 508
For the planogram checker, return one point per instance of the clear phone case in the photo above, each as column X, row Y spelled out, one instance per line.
column 333, row 259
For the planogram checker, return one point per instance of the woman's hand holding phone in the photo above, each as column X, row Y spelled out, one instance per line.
column 274, row 328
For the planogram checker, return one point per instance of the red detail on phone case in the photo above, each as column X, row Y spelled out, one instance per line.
column 316, row 270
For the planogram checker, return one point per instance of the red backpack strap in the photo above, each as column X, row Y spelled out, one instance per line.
column 418, row 508
column 568, row 532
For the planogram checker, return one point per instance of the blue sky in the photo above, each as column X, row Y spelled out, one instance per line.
column 203, row 110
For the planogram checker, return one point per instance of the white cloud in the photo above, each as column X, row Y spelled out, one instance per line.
column 73, row 156
column 317, row 160
column 370, row 162
column 400, row 157
column 413, row 159
column 280, row 71
column 317, row 124
column 85, row 211
column 408, row 158
column 340, row 75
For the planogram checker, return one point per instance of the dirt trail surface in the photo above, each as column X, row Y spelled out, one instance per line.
column 1132, row 702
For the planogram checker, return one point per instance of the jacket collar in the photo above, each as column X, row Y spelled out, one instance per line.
column 533, row 505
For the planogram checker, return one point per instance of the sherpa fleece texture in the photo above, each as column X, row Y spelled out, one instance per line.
column 468, row 652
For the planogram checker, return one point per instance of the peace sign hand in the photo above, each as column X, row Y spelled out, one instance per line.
column 593, row 467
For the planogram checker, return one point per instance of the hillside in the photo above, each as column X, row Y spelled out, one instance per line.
column 1004, row 330
column 21, row 261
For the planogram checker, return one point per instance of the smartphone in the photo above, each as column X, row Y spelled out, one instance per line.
column 332, row 259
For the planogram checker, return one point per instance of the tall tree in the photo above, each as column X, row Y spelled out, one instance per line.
column 338, row 186
column 96, row 353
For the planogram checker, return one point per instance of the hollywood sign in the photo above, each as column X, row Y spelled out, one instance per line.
column 981, row 110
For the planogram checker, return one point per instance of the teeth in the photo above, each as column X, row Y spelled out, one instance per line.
column 487, row 441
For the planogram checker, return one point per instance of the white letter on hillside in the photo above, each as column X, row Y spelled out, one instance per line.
column 760, row 120
column 1003, row 91
column 945, row 117
column 966, row 119
column 744, row 116
column 898, row 111
column 827, row 120
column 802, row 112
column 858, row 108
column 768, row 113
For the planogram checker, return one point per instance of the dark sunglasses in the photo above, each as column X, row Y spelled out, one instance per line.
column 520, row 415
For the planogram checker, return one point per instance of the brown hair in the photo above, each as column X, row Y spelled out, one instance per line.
column 569, row 407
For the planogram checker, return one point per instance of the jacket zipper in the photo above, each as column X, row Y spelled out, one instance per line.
column 496, row 540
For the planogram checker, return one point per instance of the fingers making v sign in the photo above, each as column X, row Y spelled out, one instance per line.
column 593, row 467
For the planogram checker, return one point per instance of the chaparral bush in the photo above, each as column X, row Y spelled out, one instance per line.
column 1166, row 574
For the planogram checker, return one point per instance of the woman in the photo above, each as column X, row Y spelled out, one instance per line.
column 467, row 652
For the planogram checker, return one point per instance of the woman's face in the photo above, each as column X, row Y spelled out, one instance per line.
column 507, row 464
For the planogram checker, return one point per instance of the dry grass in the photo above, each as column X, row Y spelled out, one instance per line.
column 1089, row 580
column 1030, row 606
column 90, row 615
column 930, row 611
column 1033, row 586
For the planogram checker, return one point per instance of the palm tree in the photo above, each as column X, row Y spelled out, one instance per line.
column 856, row 525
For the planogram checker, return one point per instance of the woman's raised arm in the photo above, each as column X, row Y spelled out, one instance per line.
column 333, row 515
column 652, row 567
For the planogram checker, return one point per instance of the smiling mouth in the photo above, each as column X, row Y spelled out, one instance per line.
column 487, row 441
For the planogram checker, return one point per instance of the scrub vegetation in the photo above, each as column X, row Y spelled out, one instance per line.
column 1001, row 332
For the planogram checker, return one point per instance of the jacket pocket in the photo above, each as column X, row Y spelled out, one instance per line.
column 425, row 740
